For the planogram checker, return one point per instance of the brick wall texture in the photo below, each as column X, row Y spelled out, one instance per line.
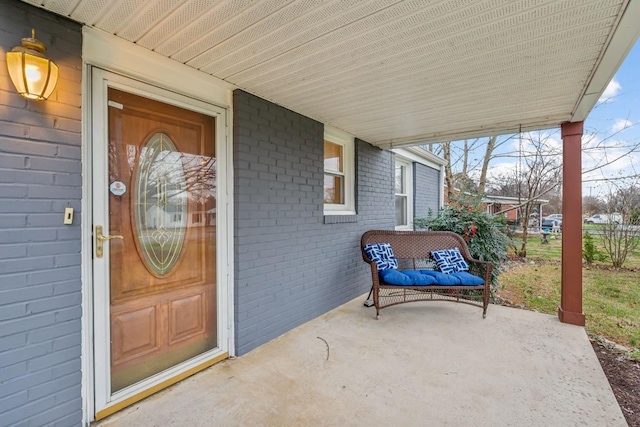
column 40, row 175
column 426, row 187
column 291, row 266
column 291, row 263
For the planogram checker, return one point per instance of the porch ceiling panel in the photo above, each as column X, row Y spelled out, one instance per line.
column 389, row 71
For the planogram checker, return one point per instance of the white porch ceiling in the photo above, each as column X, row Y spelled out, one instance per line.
column 387, row 71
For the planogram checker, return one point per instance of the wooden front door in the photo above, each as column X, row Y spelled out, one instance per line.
column 161, row 236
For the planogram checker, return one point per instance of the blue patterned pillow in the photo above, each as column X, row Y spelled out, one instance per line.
column 381, row 254
column 450, row 260
column 457, row 260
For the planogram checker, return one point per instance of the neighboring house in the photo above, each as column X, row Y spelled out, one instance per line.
column 157, row 217
column 122, row 273
column 510, row 207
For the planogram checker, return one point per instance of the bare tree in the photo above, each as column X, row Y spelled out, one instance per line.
column 592, row 205
column 448, row 174
column 461, row 167
column 488, row 155
column 620, row 238
column 468, row 163
column 538, row 172
column 608, row 149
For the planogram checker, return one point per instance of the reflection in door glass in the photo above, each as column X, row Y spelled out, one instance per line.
column 160, row 201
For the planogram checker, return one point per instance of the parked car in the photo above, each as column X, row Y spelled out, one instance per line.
column 555, row 216
column 551, row 224
column 615, row 218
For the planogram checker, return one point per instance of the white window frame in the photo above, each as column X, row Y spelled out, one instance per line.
column 408, row 186
column 347, row 142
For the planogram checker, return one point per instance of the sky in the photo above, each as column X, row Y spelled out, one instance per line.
column 617, row 117
column 611, row 130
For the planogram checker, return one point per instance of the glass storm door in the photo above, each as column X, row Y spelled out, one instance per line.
column 162, row 270
column 154, row 243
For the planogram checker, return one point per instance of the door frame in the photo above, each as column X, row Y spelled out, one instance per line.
column 146, row 73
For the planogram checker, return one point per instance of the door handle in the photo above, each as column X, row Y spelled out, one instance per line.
column 100, row 239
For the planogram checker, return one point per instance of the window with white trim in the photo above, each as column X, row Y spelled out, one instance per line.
column 339, row 172
column 404, row 194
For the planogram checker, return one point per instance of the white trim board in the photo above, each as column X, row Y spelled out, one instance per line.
column 422, row 157
column 120, row 56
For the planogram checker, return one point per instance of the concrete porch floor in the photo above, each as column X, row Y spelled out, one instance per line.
column 421, row 364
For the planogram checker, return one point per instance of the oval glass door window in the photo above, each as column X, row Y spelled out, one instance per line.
column 160, row 198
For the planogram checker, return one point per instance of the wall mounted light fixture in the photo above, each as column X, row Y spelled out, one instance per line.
column 32, row 73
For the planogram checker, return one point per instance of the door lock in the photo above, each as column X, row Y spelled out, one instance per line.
column 100, row 239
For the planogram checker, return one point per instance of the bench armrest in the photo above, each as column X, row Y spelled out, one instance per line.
column 481, row 268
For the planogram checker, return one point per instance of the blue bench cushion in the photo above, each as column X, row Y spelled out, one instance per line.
column 395, row 277
column 420, row 279
column 468, row 279
column 428, row 277
column 442, row 278
column 382, row 255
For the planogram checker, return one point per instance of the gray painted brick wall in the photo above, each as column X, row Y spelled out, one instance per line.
column 426, row 189
column 290, row 266
column 40, row 174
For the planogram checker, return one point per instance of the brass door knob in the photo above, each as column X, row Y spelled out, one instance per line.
column 101, row 238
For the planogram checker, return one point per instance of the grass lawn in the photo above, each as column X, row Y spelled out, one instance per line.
column 553, row 250
column 611, row 298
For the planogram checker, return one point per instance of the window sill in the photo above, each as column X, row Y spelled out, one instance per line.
column 340, row 219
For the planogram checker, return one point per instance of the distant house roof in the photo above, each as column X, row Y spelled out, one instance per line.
column 510, row 200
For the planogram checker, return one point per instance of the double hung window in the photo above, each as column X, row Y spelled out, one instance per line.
column 403, row 194
column 339, row 173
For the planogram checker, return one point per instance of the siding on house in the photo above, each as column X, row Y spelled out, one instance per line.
column 40, row 175
column 292, row 265
column 427, row 189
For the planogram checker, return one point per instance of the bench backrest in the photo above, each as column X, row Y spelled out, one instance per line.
column 414, row 244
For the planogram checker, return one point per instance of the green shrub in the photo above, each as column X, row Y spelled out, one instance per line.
column 590, row 252
column 490, row 241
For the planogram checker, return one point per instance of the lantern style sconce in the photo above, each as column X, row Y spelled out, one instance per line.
column 32, row 73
